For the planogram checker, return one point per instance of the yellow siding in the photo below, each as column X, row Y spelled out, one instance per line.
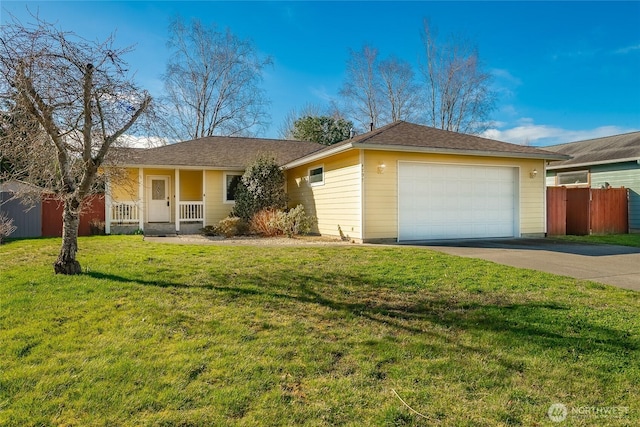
column 336, row 203
column 190, row 185
column 532, row 198
column 124, row 185
column 381, row 190
column 354, row 198
column 215, row 207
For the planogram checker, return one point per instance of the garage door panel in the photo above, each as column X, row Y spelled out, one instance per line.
column 456, row 201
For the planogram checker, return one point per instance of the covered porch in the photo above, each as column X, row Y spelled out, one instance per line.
column 156, row 201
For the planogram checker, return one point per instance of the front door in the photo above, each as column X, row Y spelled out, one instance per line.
column 158, row 199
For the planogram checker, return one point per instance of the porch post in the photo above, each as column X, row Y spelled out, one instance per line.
column 107, row 206
column 177, row 201
column 204, row 195
column 140, row 199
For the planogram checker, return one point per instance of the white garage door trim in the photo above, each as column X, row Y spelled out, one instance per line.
column 488, row 205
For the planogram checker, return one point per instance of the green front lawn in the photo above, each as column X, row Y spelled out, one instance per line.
column 168, row 335
column 609, row 239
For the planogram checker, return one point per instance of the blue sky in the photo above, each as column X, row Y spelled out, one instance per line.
column 564, row 71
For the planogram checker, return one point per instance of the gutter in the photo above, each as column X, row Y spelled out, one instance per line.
column 330, row 151
column 318, row 155
column 413, row 149
column 181, row 167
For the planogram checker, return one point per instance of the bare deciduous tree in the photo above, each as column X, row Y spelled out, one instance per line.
column 400, row 99
column 362, row 88
column 379, row 91
column 67, row 102
column 457, row 91
column 6, row 226
column 212, row 83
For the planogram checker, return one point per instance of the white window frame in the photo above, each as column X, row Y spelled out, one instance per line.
column 224, row 186
column 579, row 184
column 318, row 183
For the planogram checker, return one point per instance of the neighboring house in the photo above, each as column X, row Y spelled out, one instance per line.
column 612, row 161
column 401, row 182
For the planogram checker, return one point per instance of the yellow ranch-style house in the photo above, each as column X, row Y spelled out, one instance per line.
column 401, row 182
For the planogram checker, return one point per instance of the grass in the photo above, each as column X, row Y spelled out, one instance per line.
column 171, row 335
column 610, row 239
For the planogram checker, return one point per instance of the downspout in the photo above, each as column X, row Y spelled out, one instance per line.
column 204, row 197
column 107, row 206
column 544, row 196
column 141, row 199
column 362, row 197
column 177, row 202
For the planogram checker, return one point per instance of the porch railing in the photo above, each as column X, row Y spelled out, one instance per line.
column 191, row 211
column 124, row 212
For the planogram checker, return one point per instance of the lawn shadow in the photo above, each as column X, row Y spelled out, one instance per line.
column 542, row 324
column 122, row 279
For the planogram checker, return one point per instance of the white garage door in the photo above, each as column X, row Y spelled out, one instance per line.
column 456, row 202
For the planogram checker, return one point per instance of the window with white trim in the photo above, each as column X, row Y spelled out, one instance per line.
column 574, row 178
column 231, row 181
column 316, row 176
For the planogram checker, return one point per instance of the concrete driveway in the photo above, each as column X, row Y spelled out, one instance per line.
column 613, row 265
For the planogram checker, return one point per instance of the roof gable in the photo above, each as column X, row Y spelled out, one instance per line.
column 406, row 136
column 17, row 186
column 609, row 149
column 413, row 135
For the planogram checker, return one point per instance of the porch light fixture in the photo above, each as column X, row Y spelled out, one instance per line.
column 533, row 173
column 381, row 167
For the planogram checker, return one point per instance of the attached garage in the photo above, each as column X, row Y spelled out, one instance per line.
column 410, row 182
column 449, row 201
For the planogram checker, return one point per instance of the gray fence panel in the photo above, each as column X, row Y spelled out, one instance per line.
column 28, row 222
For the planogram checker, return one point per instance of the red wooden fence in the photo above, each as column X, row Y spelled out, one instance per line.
column 578, row 211
column 52, row 215
column 609, row 211
column 581, row 211
column 556, row 211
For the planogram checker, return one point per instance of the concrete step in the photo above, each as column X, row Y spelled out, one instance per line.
column 160, row 229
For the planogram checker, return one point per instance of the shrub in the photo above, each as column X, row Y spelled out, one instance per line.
column 295, row 221
column 97, row 227
column 261, row 187
column 209, row 230
column 244, row 203
column 6, row 226
column 265, row 223
column 232, row 226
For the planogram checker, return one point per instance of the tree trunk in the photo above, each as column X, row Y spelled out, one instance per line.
column 66, row 262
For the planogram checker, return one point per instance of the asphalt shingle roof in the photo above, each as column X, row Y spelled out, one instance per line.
column 237, row 152
column 599, row 150
column 222, row 152
column 405, row 134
